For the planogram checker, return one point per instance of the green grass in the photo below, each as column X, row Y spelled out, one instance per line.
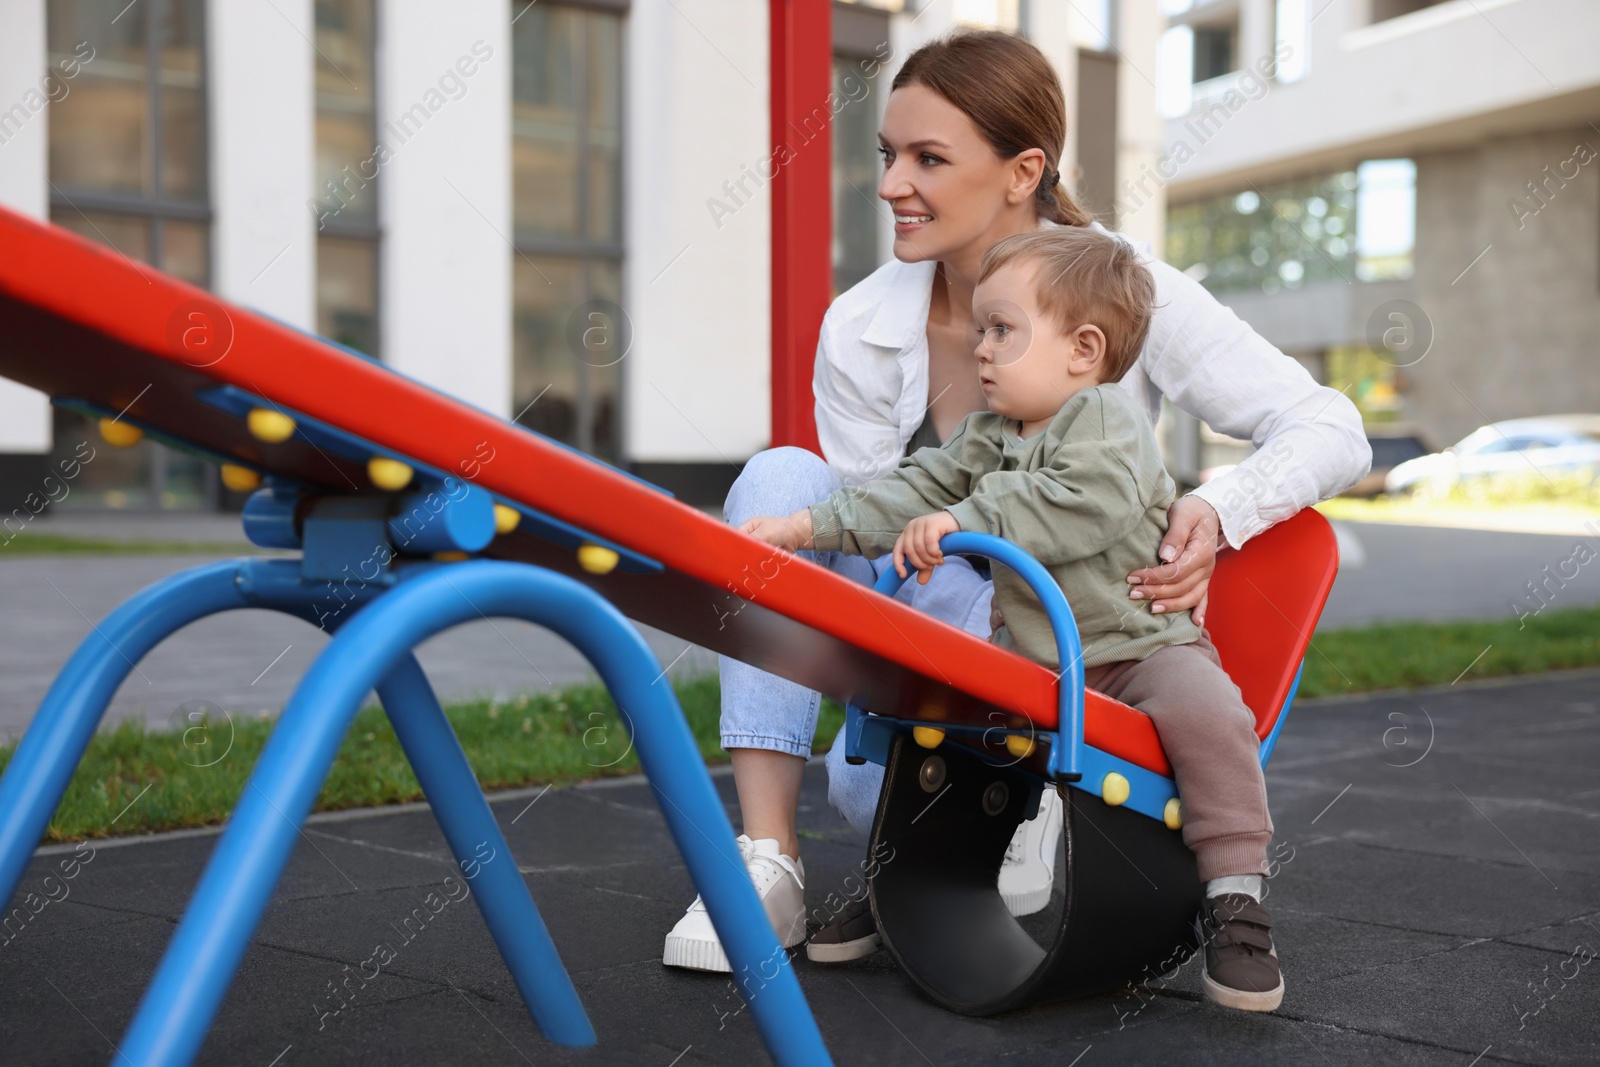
column 1408, row 655
column 195, row 776
column 31, row 543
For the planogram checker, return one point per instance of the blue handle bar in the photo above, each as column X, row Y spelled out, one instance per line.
column 1066, row 756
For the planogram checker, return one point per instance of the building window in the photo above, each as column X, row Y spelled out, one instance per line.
column 1092, row 24
column 128, row 170
column 856, row 170
column 347, row 173
column 1386, row 219
column 1292, row 39
column 1383, row 10
column 1214, row 51
column 1353, row 225
column 1197, row 56
column 989, row 14
column 569, row 332
column 860, row 47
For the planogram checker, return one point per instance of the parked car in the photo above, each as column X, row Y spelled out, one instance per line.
column 1389, row 450
column 1550, row 444
column 1390, row 446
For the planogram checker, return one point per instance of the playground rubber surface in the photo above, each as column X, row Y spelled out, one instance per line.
column 1437, row 899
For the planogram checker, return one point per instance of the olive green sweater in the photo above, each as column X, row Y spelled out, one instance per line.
column 1087, row 498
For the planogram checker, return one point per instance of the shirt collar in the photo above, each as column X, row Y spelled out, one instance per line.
column 902, row 314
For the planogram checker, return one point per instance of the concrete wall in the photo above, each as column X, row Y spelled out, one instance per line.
column 1458, row 70
column 24, row 167
column 445, row 204
column 1139, row 125
column 1519, row 333
column 263, row 238
column 1515, row 333
column 697, row 280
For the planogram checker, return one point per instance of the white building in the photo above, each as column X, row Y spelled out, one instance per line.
column 1401, row 193
column 523, row 204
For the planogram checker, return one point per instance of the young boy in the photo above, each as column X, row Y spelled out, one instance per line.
column 1064, row 465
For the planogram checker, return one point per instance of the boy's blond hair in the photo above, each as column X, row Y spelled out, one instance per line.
column 1086, row 276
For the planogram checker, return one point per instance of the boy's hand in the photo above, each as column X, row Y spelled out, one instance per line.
column 791, row 533
column 918, row 544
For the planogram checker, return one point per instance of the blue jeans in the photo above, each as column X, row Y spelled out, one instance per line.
column 761, row 710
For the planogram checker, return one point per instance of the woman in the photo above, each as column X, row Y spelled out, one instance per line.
column 971, row 134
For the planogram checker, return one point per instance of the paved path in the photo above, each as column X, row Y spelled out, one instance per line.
column 251, row 660
column 246, row 660
column 1430, row 572
column 1427, row 890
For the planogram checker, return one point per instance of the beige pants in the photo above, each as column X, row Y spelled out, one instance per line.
column 1210, row 740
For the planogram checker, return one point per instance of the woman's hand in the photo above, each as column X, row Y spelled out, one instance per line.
column 918, row 544
column 791, row 534
column 1190, row 551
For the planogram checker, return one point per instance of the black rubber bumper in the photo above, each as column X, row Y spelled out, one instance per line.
column 945, row 817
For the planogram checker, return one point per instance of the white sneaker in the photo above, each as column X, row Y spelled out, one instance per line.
column 780, row 883
column 1029, row 869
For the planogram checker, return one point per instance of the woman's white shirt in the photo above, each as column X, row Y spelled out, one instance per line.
column 871, row 388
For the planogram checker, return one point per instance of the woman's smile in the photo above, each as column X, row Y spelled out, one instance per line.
column 910, row 222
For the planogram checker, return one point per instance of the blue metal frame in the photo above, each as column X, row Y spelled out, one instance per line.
column 372, row 650
column 1066, row 756
column 56, row 739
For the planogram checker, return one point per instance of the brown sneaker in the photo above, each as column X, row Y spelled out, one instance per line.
column 1241, row 964
column 849, row 935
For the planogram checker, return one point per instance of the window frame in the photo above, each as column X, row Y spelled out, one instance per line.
column 341, row 227
column 158, row 208
column 584, row 252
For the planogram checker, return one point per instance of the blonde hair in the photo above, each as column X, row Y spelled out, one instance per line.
column 1010, row 91
column 1086, row 276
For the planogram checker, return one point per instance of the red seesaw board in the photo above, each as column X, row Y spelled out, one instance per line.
column 82, row 321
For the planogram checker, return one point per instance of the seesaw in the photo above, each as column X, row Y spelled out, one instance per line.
column 954, row 794
column 414, row 512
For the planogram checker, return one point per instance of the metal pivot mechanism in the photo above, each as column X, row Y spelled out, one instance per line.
column 360, row 576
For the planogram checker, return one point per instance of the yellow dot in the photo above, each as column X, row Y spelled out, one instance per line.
column 927, row 736
column 270, row 426
column 450, row 557
column 240, row 479
column 597, row 559
column 506, row 519
column 119, row 434
column 388, row 474
column 1114, row 789
column 1172, row 814
column 1020, row 746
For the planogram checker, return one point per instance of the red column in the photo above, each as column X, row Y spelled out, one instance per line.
column 802, row 217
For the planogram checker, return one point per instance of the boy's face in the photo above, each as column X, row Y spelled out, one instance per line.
column 1027, row 366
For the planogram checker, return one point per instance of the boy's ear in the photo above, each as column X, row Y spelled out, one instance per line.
column 1088, row 348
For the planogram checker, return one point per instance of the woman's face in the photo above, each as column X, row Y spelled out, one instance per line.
column 945, row 184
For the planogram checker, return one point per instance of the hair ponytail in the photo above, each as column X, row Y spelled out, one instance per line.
column 1058, row 205
column 1009, row 90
